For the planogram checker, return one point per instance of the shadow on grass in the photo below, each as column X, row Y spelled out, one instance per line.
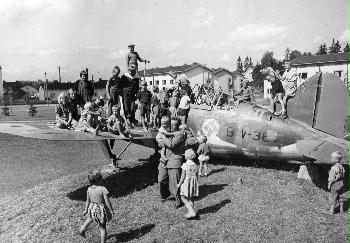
column 131, row 234
column 125, row 182
column 216, row 171
column 214, row 208
column 206, row 190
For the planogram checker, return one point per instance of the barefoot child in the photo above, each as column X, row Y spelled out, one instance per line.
column 174, row 103
column 98, row 206
column 189, row 183
column 63, row 111
column 144, row 96
column 184, row 107
column 203, row 155
column 116, row 123
column 335, row 182
column 155, row 107
column 88, row 119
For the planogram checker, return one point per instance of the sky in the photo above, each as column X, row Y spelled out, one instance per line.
column 38, row 36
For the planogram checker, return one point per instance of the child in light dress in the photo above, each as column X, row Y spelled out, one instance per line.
column 335, row 183
column 203, row 155
column 98, row 206
column 155, row 107
column 188, row 184
column 174, row 103
column 63, row 110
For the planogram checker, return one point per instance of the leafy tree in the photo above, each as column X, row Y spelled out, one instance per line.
column 306, row 53
column 294, row 54
column 247, row 63
column 239, row 65
column 346, row 48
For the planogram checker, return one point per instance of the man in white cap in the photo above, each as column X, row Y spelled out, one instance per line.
column 132, row 57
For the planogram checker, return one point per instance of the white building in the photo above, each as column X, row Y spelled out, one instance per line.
column 195, row 72
column 307, row 66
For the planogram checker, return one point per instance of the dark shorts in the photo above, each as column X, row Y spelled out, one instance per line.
column 144, row 109
column 182, row 112
column 277, row 88
column 336, row 191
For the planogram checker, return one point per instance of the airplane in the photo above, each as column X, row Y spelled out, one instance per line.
column 317, row 125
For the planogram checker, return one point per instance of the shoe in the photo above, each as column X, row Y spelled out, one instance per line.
column 177, row 206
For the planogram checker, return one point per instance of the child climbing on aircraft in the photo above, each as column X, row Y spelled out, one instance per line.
column 203, row 155
column 188, row 183
column 245, row 94
column 63, row 110
column 98, row 207
column 335, row 183
column 89, row 120
column 116, row 123
column 155, row 107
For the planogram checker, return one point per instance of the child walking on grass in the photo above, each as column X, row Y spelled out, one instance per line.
column 98, row 206
column 188, row 184
column 335, row 183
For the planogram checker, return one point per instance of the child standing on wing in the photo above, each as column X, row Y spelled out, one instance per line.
column 174, row 103
column 144, row 96
column 203, row 155
column 184, row 107
column 98, row 206
column 335, row 183
column 189, row 183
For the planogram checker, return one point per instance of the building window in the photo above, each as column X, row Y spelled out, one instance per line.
column 172, row 81
column 338, row 73
column 52, row 95
column 157, row 82
column 163, row 82
column 304, row 75
column 150, row 82
column 268, row 91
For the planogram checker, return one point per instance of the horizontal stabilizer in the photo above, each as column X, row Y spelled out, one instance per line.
column 321, row 150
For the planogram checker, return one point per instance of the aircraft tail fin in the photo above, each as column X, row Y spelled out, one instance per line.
column 322, row 102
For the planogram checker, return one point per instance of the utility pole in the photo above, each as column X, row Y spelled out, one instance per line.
column 59, row 74
column 46, row 84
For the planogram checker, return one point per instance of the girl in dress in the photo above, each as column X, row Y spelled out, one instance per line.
column 98, row 206
column 203, row 155
column 189, row 183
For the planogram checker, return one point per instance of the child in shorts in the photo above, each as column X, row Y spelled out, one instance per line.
column 116, row 123
column 203, row 155
column 155, row 107
column 184, row 107
column 98, row 207
column 144, row 96
column 174, row 103
column 335, row 183
column 63, row 112
column 188, row 183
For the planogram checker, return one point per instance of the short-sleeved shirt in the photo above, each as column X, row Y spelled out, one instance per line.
column 96, row 193
column 144, row 96
column 185, row 102
column 336, row 173
column 203, row 149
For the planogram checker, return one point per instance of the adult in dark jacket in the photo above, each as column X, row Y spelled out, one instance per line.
column 169, row 172
column 85, row 89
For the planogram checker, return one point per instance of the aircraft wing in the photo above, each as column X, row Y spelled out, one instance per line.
column 47, row 130
column 321, row 149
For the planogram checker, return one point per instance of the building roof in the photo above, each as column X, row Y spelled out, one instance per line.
column 217, row 70
column 178, row 69
column 327, row 58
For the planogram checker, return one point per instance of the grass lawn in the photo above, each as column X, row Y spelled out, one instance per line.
column 271, row 205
